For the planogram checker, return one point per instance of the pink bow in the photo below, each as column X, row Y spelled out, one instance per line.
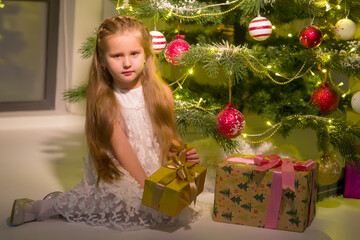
column 266, row 162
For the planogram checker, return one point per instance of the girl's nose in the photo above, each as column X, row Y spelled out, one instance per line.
column 126, row 62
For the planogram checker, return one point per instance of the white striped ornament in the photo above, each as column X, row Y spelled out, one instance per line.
column 260, row 28
column 159, row 41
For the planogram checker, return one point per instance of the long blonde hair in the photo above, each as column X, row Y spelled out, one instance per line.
column 102, row 110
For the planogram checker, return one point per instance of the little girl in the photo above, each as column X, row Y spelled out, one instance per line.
column 130, row 127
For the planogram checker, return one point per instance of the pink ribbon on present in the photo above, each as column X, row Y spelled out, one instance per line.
column 283, row 179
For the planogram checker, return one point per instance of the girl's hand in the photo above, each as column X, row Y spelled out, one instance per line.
column 192, row 156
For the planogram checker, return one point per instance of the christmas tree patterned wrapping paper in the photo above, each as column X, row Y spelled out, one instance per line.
column 174, row 186
column 247, row 196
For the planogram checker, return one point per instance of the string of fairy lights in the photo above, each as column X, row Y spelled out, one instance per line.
column 181, row 80
column 274, row 128
column 253, row 62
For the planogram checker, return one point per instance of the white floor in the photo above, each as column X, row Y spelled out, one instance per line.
column 39, row 155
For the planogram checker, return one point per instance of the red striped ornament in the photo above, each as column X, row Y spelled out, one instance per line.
column 260, row 28
column 159, row 41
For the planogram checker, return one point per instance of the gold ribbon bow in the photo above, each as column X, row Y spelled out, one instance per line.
column 184, row 172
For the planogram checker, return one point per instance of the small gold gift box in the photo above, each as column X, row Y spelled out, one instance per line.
column 174, row 186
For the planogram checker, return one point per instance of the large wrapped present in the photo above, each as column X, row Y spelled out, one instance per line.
column 265, row 191
column 174, row 186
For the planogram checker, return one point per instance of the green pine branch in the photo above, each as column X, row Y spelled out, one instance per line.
column 76, row 94
column 88, row 47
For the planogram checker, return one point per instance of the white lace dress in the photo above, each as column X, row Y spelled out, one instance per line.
column 118, row 205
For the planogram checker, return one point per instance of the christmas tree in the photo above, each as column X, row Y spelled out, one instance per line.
column 225, row 192
column 259, row 197
column 290, row 195
column 236, row 199
column 243, row 186
column 227, row 169
column 247, row 206
column 228, row 216
column 294, row 217
column 280, row 59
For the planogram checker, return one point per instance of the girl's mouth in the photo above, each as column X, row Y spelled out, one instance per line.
column 127, row 73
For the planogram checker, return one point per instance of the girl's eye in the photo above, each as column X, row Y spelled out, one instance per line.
column 134, row 53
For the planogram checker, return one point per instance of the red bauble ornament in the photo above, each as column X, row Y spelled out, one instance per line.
column 230, row 122
column 310, row 36
column 326, row 98
column 175, row 49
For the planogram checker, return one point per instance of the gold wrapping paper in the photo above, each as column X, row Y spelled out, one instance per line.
column 174, row 186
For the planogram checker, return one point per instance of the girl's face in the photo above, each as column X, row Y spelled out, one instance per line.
column 124, row 58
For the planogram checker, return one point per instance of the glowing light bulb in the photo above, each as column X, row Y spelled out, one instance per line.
column 268, row 66
column 277, row 74
column 327, row 6
column 244, row 135
column 324, row 71
column 199, row 11
column 268, row 123
column 338, row 7
column 169, row 14
column 344, row 95
column 289, row 35
column 191, row 71
column 273, row 27
column 353, row 49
